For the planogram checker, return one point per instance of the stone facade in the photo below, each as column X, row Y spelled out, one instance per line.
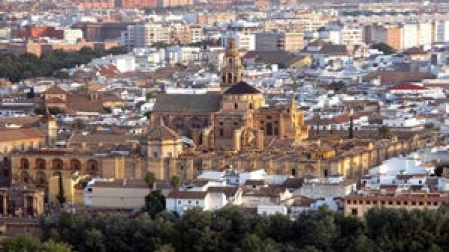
column 237, row 119
column 19, row 201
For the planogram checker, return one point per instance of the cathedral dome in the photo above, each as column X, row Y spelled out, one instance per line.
column 160, row 132
column 241, row 88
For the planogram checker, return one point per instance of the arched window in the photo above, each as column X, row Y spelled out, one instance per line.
column 57, row 164
column 24, row 163
column 41, row 178
column 269, row 129
column 236, row 106
column 75, row 164
column 25, row 177
column 92, row 165
column 229, row 77
column 41, row 164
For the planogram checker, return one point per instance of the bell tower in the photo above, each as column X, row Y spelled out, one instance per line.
column 49, row 127
column 231, row 68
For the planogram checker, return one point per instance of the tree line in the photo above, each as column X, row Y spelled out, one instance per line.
column 24, row 66
column 238, row 230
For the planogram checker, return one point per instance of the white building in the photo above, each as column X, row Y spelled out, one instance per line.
column 72, row 35
column 243, row 41
column 144, row 35
column 441, row 31
column 124, row 63
column 119, row 194
column 410, row 35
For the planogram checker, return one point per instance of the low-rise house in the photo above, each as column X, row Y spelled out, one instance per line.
column 119, row 194
column 358, row 204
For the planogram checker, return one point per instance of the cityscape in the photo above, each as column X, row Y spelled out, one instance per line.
column 224, row 125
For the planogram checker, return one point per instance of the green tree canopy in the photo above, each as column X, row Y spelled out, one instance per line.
column 385, row 48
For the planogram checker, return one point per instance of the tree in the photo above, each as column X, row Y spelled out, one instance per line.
column 94, row 241
column 61, row 75
column 22, row 243
column 175, row 182
column 150, row 178
column 39, row 110
column 337, row 86
column 31, row 93
column 154, row 203
column 384, row 132
column 384, row 48
column 152, row 95
column 165, row 248
column 52, row 246
column 78, row 125
column 61, row 197
column 55, row 110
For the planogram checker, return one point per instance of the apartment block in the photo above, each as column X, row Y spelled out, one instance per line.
column 388, row 34
column 174, row 3
column 243, row 41
column 145, row 35
column 281, row 41
column 441, row 31
column 138, row 3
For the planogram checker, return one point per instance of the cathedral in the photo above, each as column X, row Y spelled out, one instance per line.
column 235, row 119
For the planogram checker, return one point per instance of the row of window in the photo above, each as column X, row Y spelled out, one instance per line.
column 390, row 202
column 190, row 202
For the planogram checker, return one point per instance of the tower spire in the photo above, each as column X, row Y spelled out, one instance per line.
column 232, row 68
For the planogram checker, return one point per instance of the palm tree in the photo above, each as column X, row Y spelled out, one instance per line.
column 150, row 178
column 175, row 182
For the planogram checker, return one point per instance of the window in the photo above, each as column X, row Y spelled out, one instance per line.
column 190, row 201
column 155, row 154
column 179, row 202
column 354, row 212
column 236, row 106
column 250, row 106
column 221, row 132
column 294, row 172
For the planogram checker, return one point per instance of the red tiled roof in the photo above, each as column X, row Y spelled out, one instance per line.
column 408, row 86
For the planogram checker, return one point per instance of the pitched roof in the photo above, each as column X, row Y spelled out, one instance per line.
column 100, row 138
column 408, row 86
column 161, row 132
column 334, row 50
column 242, row 88
column 398, row 77
column 81, row 103
column 187, row 194
column 284, row 59
column 20, row 134
column 228, row 191
column 121, row 183
column 209, row 102
column 55, row 90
